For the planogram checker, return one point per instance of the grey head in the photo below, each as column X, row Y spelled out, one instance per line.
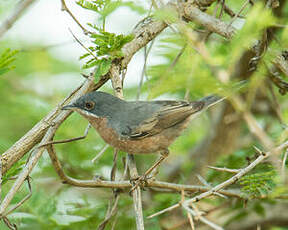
column 96, row 104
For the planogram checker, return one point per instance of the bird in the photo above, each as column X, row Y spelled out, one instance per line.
column 139, row 127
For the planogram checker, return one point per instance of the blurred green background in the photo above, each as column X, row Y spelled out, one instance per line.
column 47, row 68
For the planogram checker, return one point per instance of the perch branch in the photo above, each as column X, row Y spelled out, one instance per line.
column 136, row 194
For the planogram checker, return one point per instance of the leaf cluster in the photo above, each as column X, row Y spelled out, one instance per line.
column 257, row 184
column 6, row 59
column 105, row 7
column 106, row 46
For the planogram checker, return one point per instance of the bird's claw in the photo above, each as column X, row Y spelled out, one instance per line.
column 140, row 181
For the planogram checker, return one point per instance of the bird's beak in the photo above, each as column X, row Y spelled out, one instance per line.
column 69, row 107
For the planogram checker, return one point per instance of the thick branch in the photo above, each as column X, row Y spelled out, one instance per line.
column 211, row 23
column 159, row 185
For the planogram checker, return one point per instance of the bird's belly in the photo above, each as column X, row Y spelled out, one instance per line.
column 152, row 144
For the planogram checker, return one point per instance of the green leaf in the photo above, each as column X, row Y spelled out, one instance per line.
column 4, row 70
column 95, row 6
column 91, row 63
column 107, row 46
column 103, row 68
column 84, row 56
column 6, row 58
column 13, row 171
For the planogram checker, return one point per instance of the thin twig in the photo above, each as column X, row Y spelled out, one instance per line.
column 230, row 12
column 236, row 177
column 110, row 213
column 164, row 210
column 67, row 140
column 228, row 182
column 114, row 167
column 191, row 220
column 204, row 182
column 23, row 200
column 136, row 193
column 203, row 219
column 65, row 8
column 224, row 169
column 37, row 153
column 81, row 44
column 146, row 53
column 163, row 186
column 239, row 12
column 103, row 150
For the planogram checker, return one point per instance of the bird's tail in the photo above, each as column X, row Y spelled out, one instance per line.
column 211, row 100
column 214, row 99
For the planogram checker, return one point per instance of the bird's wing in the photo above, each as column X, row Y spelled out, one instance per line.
column 169, row 114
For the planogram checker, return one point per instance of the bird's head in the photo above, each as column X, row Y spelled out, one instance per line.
column 95, row 104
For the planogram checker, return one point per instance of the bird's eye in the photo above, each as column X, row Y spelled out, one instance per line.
column 89, row 105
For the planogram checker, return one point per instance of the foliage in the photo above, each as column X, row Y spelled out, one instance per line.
column 107, row 46
column 6, row 59
column 188, row 68
column 258, row 184
column 106, row 7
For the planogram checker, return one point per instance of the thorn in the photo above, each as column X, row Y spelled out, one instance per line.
column 84, row 75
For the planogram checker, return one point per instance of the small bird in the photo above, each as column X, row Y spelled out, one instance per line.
column 139, row 127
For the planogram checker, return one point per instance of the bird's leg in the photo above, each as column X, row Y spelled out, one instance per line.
column 142, row 178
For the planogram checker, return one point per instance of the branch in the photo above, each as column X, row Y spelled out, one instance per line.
column 143, row 34
column 217, row 189
column 211, row 23
column 65, row 8
column 156, row 185
column 136, row 193
column 19, row 10
column 37, row 153
column 236, row 177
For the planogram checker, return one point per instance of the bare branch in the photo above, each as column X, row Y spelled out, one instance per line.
column 23, row 200
column 219, row 187
column 68, row 140
column 211, row 23
column 165, row 210
column 100, row 153
column 19, row 10
column 136, row 193
column 65, row 8
column 236, row 177
column 224, row 169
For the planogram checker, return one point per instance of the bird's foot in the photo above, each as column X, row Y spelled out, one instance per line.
column 140, row 181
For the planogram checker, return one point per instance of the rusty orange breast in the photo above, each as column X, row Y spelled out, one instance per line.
column 151, row 144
